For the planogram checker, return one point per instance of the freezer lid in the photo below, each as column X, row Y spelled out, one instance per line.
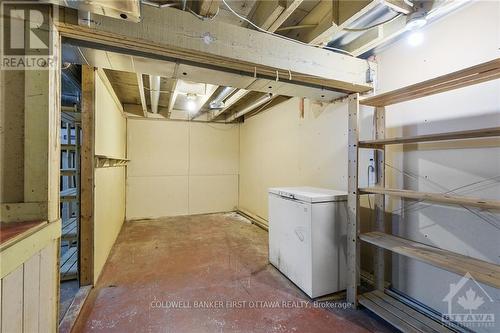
column 309, row 194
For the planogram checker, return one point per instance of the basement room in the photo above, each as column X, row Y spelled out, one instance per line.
column 250, row 166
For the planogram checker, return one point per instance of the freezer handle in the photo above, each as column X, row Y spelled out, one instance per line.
column 287, row 195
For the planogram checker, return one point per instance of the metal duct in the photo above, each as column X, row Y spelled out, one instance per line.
column 154, row 90
column 218, row 101
column 251, row 107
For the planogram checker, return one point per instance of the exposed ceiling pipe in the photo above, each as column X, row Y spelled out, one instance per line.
column 154, row 91
column 218, row 101
column 251, row 107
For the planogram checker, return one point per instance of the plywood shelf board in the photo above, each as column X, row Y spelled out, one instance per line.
column 435, row 197
column 458, row 135
column 69, row 229
column 480, row 270
column 68, row 194
column 69, row 264
column 68, row 172
column 399, row 314
column 472, row 75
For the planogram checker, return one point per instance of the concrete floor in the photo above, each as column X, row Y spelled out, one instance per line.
column 67, row 294
column 204, row 273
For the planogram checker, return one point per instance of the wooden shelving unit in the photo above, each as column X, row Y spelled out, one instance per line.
column 69, row 195
column 380, row 301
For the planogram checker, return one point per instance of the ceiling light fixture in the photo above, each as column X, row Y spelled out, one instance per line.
column 418, row 17
column 191, row 102
column 414, row 22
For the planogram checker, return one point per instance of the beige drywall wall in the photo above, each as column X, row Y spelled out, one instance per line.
column 180, row 168
column 109, row 190
column 465, row 38
column 280, row 148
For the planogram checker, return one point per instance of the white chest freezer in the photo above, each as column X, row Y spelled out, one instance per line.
column 307, row 237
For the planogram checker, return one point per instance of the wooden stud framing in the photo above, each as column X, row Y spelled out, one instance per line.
column 379, row 154
column 353, row 202
column 86, row 242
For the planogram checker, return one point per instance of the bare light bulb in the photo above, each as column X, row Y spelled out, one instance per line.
column 415, row 38
column 190, row 105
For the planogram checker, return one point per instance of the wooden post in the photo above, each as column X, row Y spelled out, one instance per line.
column 86, row 242
column 379, row 269
column 353, row 201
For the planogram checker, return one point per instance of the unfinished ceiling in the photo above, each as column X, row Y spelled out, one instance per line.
column 158, row 88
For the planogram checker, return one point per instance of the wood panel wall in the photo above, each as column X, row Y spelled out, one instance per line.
column 29, row 294
column 109, row 183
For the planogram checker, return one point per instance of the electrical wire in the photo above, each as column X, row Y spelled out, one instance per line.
column 280, row 36
column 373, row 26
column 452, row 191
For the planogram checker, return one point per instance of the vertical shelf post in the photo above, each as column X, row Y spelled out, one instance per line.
column 353, row 201
column 379, row 269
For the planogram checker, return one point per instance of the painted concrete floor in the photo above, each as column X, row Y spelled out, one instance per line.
column 67, row 294
column 204, row 273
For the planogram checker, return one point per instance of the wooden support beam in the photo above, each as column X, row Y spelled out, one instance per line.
column 163, row 32
column 86, row 242
column 140, row 83
column 434, row 197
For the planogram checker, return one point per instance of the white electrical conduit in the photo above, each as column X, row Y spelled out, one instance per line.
column 251, row 107
column 154, row 92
